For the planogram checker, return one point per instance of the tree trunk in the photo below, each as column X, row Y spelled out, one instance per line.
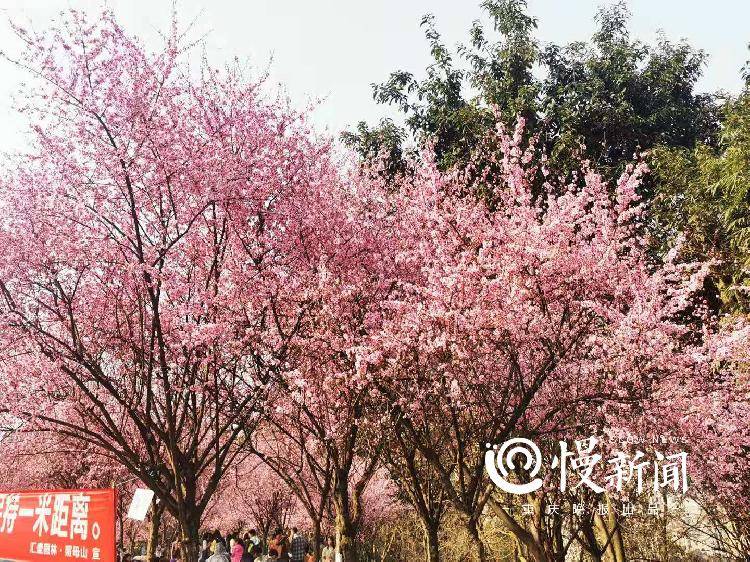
column 345, row 530
column 345, row 540
column 610, row 535
column 618, row 545
column 189, row 521
column 157, row 508
column 664, row 528
column 528, row 545
column 591, row 542
column 480, row 552
column 316, row 537
column 432, row 550
column 121, row 516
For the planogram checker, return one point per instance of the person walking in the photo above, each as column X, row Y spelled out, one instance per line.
column 218, row 539
column 329, row 551
column 258, row 555
column 175, row 552
column 282, row 543
column 236, row 549
column 297, row 546
column 276, row 545
column 248, row 555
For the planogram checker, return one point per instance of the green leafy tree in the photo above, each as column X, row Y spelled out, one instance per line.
column 384, row 141
column 440, row 109
column 617, row 96
column 612, row 95
column 704, row 198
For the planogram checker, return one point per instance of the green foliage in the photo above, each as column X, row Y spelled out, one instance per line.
column 383, row 142
column 613, row 95
column 501, row 71
column 617, row 96
column 704, row 196
column 438, row 108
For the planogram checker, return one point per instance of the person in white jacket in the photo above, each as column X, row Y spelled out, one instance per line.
column 220, row 555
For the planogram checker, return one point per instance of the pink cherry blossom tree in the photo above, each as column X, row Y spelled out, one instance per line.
column 33, row 460
column 328, row 400
column 416, row 479
column 534, row 316
column 253, row 496
column 293, row 454
column 143, row 264
column 340, row 274
column 709, row 413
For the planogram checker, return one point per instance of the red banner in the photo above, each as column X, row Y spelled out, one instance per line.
column 58, row 525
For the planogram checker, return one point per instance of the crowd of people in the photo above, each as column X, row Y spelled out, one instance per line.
column 283, row 545
column 289, row 545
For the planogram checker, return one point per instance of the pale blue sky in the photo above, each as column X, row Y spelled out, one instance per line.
column 334, row 49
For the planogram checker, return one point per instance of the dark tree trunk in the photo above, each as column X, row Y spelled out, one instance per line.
column 189, row 520
column 480, row 552
column 157, row 508
column 345, row 529
column 316, row 538
column 432, row 543
column 121, row 516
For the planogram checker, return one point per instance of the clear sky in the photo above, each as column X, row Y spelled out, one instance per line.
column 334, row 49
